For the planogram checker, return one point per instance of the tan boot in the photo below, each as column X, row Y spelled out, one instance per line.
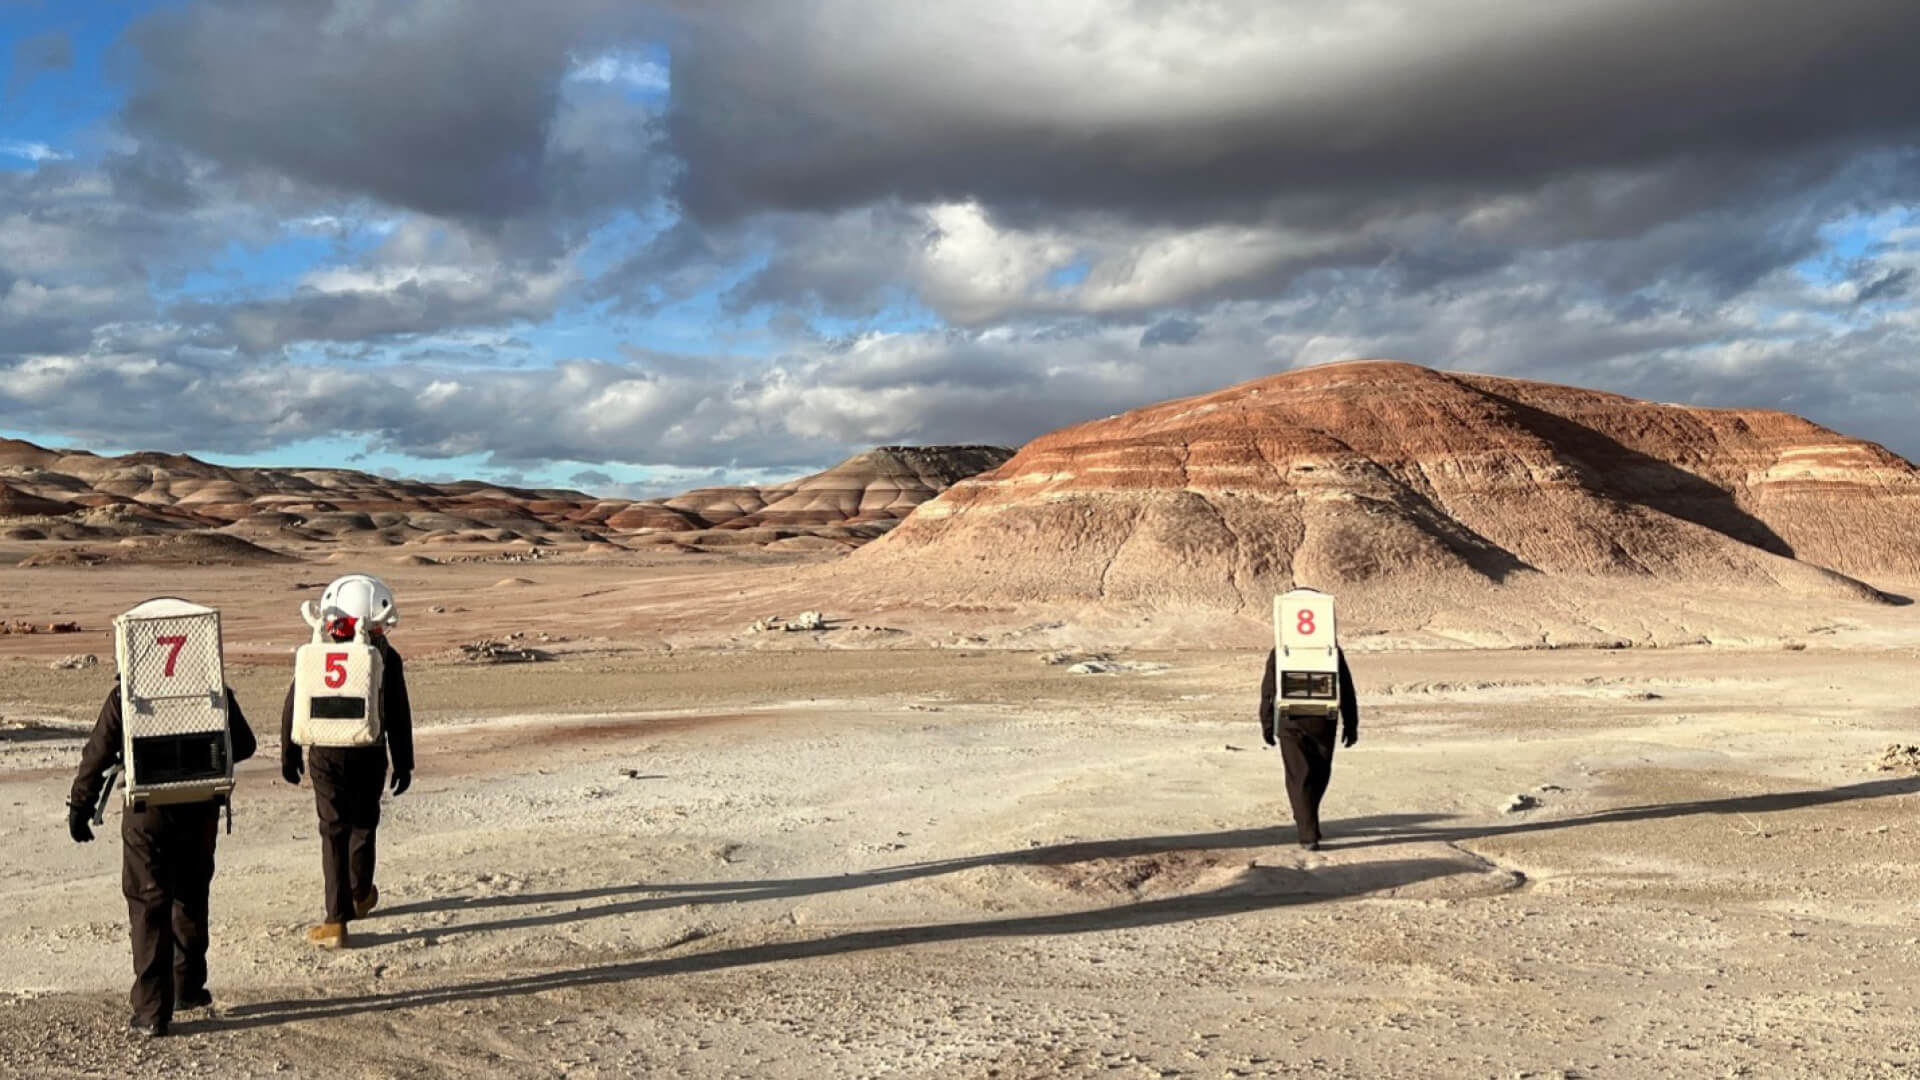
column 329, row 935
column 363, row 906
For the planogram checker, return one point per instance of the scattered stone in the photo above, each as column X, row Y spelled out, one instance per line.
column 1067, row 656
column 21, row 626
column 489, row 651
column 1899, row 757
column 76, row 662
column 437, row 609
column 1549, row 788
column 806, row 620
column 1116, row 667
column 1519, row 803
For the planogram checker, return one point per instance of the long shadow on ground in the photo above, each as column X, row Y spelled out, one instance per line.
column 643, row 896
column 1251, row 893
column 1411, row 828
column 1260, row 888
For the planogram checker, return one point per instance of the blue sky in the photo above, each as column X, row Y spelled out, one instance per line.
column 635, row 248
column 50, row 102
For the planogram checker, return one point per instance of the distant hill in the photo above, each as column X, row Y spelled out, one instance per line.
column 74, row 495
column 1508, row 510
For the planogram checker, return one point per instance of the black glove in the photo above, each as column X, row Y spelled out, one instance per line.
column 402, row 780
column 1266, row 734
column 79, row 824
column 290, row 765
column 1349, row 735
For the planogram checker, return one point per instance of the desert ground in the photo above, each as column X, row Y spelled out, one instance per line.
column 907, row 846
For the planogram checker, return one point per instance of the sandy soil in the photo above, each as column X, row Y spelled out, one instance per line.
column 768, row 856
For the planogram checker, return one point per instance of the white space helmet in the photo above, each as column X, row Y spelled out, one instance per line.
column 364, row 599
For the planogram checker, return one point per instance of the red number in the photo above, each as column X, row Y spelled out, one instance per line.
column 1305, row 623
column 174, row 643
column 336, row 671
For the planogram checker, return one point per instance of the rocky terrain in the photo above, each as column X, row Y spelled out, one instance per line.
column 950, row 863
column 1505, row 509
column 77, row 496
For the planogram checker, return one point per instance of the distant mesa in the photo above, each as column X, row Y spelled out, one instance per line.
column 1418, row 494
column 77, row 496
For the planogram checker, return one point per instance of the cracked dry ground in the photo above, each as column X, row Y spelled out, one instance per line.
column 942, row 864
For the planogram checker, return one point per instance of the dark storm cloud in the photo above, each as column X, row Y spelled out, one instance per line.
column 448, row 109
column 373, row 308
column 1613, row 193
column 1171, row 331
column 155, row 176
column 1887, row 286
column 75, row 257
column 32, row 56
column 1171, row 112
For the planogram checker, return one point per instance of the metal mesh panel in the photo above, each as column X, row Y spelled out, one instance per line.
column 172, row 681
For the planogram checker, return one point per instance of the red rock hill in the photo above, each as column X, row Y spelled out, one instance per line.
column 1396, row 483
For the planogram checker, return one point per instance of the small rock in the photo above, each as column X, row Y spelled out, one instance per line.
column 1519, row 803
column 1054, row 659
column 76, row 662
column 1899, row 757
column 808, row 620
column 489, row 651
column 1116, row 667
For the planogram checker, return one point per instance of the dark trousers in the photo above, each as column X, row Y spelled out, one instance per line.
column 346, row 791
column 166, row 871
column 1306, row 746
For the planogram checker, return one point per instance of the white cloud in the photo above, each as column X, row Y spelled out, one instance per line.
column 623, row 68
column 971, row 271
column 35, row 152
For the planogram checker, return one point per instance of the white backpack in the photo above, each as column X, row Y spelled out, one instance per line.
column 1306, row 652
column 173, row 704
column 336, row 691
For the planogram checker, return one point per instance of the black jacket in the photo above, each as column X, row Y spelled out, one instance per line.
column 1349, row 704
column 103, row 749
column 396, row 713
